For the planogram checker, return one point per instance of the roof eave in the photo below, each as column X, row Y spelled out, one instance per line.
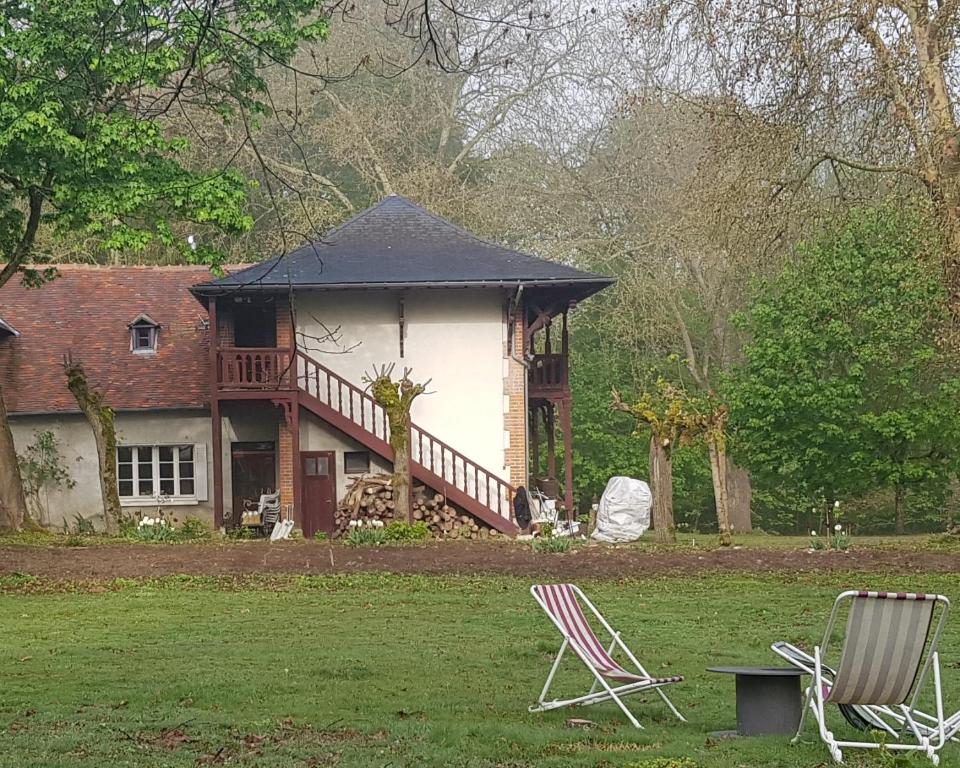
column 208, row 289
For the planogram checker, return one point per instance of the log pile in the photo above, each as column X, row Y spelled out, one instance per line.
column 445, row 521
column 371, row 498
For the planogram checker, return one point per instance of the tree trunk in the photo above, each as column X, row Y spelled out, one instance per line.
column 739, row 495
column 718, row 470
column 661, row 484
column 899, row 512
column 401, row 482
column 100, row 418
column 13, row 504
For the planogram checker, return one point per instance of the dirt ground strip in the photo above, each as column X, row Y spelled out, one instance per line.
column 308, row 557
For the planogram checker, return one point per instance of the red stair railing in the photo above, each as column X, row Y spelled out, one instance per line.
column 451, row 467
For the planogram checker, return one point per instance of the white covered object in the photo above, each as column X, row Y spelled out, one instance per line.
column 624, row 511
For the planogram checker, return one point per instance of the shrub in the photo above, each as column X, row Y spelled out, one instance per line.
column 241, row 532
column 193, row 529
column 43, row 469
column 401, row 531
column 320, row 536
column 365, row 535
column 553, row 544
column 154, row 529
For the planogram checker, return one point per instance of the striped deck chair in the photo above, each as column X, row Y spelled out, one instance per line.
column 562, row 603
column 887, row 656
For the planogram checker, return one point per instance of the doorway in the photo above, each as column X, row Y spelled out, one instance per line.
column 254, row 468
column 319, row 491
column 255, row 325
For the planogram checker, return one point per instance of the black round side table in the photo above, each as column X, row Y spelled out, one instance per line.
column 769, row 701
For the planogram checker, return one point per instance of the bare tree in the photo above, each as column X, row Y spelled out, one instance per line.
column 867, row 86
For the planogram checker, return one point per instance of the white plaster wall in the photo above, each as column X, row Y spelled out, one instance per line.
column 317, row 435
column 79, row 453
column 453, row 336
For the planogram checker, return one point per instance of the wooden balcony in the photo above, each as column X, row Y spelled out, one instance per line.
column 547, row 375
column 254, row 368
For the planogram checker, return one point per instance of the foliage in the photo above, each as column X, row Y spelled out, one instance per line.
column 604, row 444
column 42, row 469
column 553, row 544
column 81, row 525
column 320, row 536
column 365, row 535
column 846, row 387
column 161, row 528
column 399, row 531
column 193, row 529
column 154, row 529
column 240, row 533
column 85, row 88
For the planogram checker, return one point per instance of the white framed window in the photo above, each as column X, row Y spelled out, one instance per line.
column 143, row 335
column 161, row 474
column 144, row 338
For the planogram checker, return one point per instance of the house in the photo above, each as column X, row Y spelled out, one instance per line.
column 255, row 381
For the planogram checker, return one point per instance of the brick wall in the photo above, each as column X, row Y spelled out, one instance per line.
column 284, row 329
column 285, row 461
column 224, row 325
column 285, row 447
column 515, row 406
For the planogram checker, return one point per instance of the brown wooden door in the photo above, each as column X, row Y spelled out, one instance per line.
column 319, row 491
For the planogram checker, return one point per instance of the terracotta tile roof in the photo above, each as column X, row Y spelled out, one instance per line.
column 86, row 312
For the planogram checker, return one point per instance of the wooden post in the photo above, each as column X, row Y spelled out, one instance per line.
column 565, row 425
column 216, row 426
column 297, row 463
column 535, row 443
column 564, row 352
column 550, row 426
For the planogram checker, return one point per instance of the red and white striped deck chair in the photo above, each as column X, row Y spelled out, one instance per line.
column 888, row 654
column 562, row 603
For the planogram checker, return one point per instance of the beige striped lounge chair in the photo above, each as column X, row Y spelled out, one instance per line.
column 889, row 653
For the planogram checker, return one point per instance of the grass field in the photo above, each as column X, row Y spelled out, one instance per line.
column 388, row 671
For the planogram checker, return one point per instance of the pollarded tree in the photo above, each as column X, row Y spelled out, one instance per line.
column 668, row 412
column 396, row 398
column 847, row 385
column 85, row 88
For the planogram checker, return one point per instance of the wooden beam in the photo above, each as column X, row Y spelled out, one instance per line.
column 550, row 425
column 534, row 443
column 216, row 425
column 297, row 463
column 565, row 425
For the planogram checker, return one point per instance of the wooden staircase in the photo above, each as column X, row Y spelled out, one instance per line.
column 433, row 462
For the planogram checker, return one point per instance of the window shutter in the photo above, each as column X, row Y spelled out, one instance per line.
column 200, row 470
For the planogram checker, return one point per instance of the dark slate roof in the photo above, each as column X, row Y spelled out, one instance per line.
column 6, row 329
column 399, row 244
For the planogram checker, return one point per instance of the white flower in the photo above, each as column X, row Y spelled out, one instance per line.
column 836, row 504
column 354, row 523
column 377, row 523
column 813, row 533
column 838, row 527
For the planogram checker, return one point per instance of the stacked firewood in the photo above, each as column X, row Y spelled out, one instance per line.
column 370, row 498
column 446, row 521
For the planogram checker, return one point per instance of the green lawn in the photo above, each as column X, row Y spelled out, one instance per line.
column 389, row 671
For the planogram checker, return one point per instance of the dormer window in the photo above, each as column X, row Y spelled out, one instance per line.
column 143, row 335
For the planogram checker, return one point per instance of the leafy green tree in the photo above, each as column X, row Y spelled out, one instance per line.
column 847, row 386
column 86, row 89
column 604, row 443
